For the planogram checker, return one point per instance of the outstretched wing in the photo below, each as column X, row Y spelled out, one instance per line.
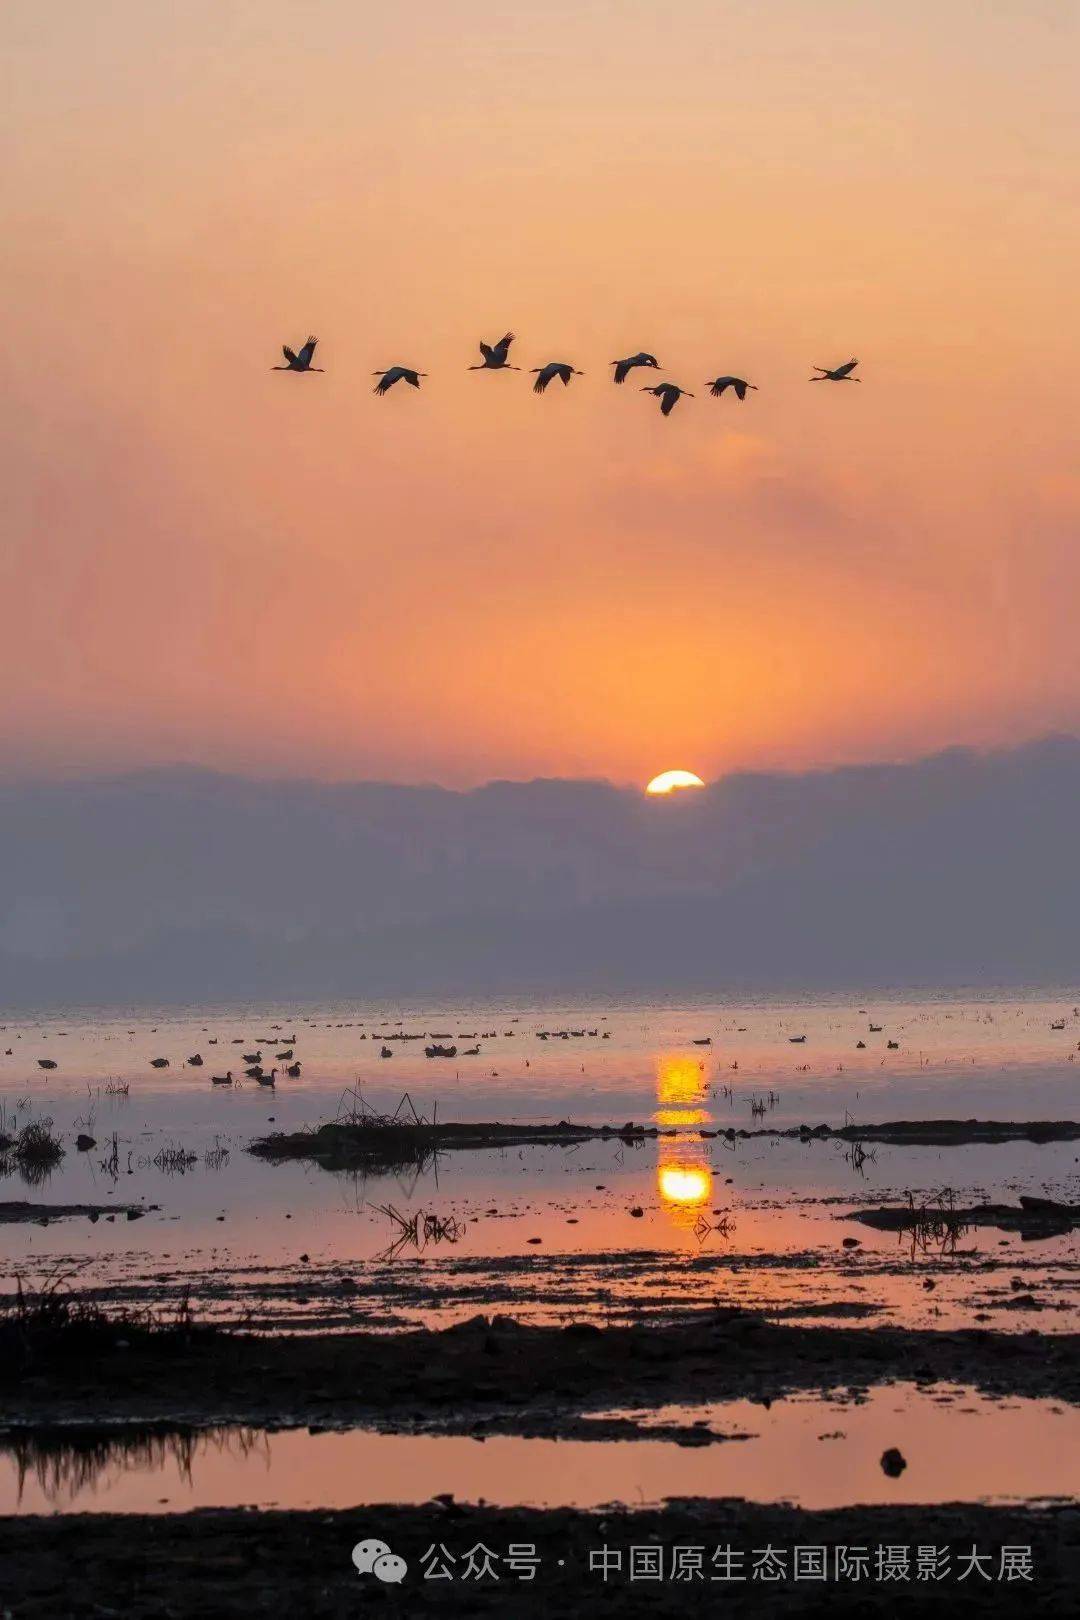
column 542, row 380
column 287, row 352
column 739, row 387
column 487, row 351
column 719, row 385
column 412, row 377
column 307, row 352
column 387, row 380
column 667, row 404
column 622, row 369
column 846, row 369
column 504, row 343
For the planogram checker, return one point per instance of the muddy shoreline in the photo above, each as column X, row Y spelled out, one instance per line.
column 495, row 1375
column 343, row 1144
column 20, row 1212
column 242, row 1563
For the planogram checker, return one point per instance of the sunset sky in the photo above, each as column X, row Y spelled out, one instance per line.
column 208, row 561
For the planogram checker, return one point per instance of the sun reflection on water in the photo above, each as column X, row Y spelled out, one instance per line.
column 683, row 1177
column 687, row 1185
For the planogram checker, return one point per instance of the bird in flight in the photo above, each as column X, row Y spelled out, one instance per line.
column 623, row 368
column 839, row 374
column 669, row 395
column 301, row 361
column 740, row 385
column 495, row 355
column 553, row 369
column 392, row 374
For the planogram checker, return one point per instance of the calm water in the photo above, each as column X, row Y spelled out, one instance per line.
column 671, row 1224
column 959, row 1446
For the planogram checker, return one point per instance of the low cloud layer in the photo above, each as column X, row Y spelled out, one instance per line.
column 182, row 884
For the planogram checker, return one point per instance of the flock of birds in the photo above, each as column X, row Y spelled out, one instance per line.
column 496, row 357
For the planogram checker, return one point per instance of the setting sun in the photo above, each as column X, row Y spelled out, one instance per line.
column 668, row 781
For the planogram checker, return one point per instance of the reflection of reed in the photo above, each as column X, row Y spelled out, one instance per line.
column 417, row 1230
column 936, row 1224
column 66, row 1466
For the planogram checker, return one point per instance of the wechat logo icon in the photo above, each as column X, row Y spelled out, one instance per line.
column 373, row 1557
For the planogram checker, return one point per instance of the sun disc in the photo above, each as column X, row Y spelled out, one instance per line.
column 670, row 781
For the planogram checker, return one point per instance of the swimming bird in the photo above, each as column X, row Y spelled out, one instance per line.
column 221, row 1079
column 740, row 385
column 669, row 395
column 495, row 355
column 196, row 1061
column 293, row 1071
column 283, row 1056
column 623, row 368
column 46, row 1063
column 251, row 1057
column 301, row 361
column 254, row 1073
column 553, row 369
column 838, row 373
column 266, row 1079
column 160, row 1063
column 389, row 375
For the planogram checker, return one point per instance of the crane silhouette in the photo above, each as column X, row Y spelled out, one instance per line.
column 553, row 369
column 301, row 361
column 623, row 368
column 740, row 385
column 495, row 355
column 838, row 373
column 389, row 375
column 669, row 395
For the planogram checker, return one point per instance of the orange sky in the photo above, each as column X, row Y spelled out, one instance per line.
column 208, row 561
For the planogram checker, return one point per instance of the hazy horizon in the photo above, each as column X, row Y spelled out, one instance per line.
column 185, row 884
column 181, row 767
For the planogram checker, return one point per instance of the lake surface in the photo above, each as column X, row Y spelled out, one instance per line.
column 820, row 1453
column 604, row 1228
